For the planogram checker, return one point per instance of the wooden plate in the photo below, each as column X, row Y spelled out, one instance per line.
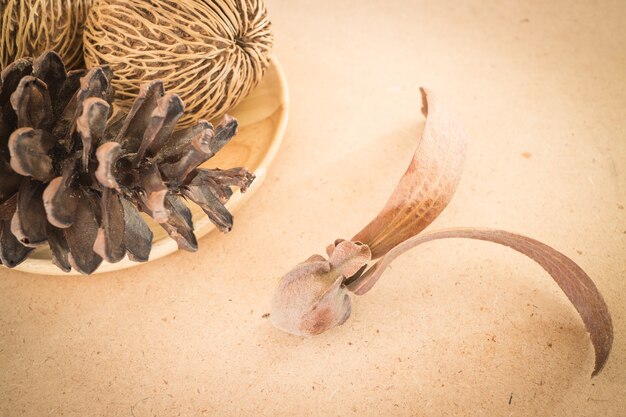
column 262, row 120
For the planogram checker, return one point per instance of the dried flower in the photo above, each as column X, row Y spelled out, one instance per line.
column 76, row 178
column 314, row 296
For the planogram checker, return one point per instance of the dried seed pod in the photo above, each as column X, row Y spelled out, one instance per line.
column 311, row 298
column 306, row 300
column 30, row 27
column 211, row 64
column 78, row 180
column 109, row 242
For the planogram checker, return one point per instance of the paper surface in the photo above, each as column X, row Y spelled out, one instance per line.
column 455, row 328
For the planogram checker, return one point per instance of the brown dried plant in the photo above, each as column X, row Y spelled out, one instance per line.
column 77, row 179
column 315, row 295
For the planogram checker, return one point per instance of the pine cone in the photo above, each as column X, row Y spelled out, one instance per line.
column 76, row 178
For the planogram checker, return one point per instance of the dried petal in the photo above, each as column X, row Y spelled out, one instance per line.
column 109, row 243
column 9, row 80
column 59, row 248
column 220, row 190
column 575, row 283
column 12, row 252
column 94, row 84
column 155, row 193
column 192, row 155
column 224, row 179
column 107, row 155
column 29, row 221
column 81, row 235
column 60, row 199
column 66, row 93
column 91, row 125
column 135, row 124
column 173, row 148
column 31, row 103
column 114, row 125
column 137, row 234
column 224, row 132
column 347, row 257
column 29, row 153
column 210, row 204
column 427, row 186
column 179, row 225
column 161, row 125
column 49, row 68
column 10, row 77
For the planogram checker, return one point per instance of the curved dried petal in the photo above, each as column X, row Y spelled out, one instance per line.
column 172, row 149
column 29, row 153
column 155, row 193
column 9, row 80
column 49, row 68
column 60, row 199
column 81, row 235
column 10, row 76
column 107, row 155
column 161, row 125
column 94, row 84
column 109, row 242
column 224, row 179
column 29, row 221
column 575, row 283
column 135, row 124
column 210, row 204
column 66, row 93
column 31, row 103
column 91, row 125
column 193, row 154
column 59, row 248
column 427, row 186
column 179, row 225
column 347, row 257
column 421, row 194
column 224, row 132
column 137, row 234
column 221, row 191
column 109, row 93
column 114, row 125
column 78, row 87
column 12, row 252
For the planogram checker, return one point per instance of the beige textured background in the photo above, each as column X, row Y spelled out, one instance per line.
column 455, row 327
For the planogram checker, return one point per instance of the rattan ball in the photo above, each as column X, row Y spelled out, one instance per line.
column 30, row 27
column 212, row 53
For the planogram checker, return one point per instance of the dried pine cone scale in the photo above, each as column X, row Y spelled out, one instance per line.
column 77, row 179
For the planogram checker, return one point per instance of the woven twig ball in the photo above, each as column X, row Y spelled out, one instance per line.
column 29, row 27
column 211, row 53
